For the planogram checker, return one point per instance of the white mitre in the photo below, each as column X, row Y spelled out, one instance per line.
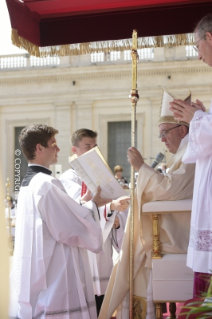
column 166, row 115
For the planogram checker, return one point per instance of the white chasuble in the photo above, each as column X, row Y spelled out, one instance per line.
column 101, row 264
column 174, row 233
column 199, row 151
column 50, row 276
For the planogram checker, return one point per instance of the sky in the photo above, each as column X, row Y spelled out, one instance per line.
column 6, row 46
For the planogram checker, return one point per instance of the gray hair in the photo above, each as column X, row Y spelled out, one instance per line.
column 204, row 25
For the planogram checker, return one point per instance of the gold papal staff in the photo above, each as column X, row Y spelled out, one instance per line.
column 134, row 97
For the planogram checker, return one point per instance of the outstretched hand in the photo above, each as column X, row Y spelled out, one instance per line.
column 86, row 197
column 135, row 158
column 183, row 111
column 98, row 200
column 120, row 203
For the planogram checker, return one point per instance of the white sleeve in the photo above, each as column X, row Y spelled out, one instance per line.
column 72, row 186
column 122, row 216
column 68, row 222
column 106, row 225
column 200, row 141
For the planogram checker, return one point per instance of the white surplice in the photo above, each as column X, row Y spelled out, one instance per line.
column 51, row 277
column 199, row 151
column 102, row 263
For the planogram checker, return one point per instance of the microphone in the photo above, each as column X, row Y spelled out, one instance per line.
column 158, row 159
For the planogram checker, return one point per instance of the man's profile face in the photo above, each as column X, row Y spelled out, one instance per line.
column 204, row 46
column 173, row 137
column 86, row 144
column 50, row 152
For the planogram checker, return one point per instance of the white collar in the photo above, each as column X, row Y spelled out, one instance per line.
column 183, row 142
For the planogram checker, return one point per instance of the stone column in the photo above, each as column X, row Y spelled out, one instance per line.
column 180, row 53
column 85, row 59
column 64, row 61
column 63, row 125
column 84, row 114
column 159, row 54
column 122, row 57
column 169, row 53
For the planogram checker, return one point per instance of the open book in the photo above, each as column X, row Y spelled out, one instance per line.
column 93, row 169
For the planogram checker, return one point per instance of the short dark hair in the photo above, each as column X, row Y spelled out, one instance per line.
column 32, row 135
column 204, row 25
column 78, row 135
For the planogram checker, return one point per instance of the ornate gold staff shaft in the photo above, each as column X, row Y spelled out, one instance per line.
column 134, row 99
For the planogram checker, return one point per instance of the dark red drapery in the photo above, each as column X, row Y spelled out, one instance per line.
column 53, row 22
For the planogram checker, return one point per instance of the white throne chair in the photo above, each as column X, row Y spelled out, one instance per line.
column 172, row 280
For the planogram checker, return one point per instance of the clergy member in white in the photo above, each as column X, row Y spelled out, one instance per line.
column 51, row 276
column 112, row 217
column 174, row 228
column 199, row 151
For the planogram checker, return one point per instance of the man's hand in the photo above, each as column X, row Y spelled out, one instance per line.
column 120, row 204
column 199, row 104
column 184, row 111
column 86, row 197
column 135, row 158
column 98, row 200
column 116, row 223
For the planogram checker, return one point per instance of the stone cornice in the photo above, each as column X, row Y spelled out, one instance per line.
column 101, row 72
column 102, row 97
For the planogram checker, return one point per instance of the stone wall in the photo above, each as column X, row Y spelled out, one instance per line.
column 77, row 93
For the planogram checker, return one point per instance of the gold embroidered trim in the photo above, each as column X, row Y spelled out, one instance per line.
column 139, row 307
column 170, row 119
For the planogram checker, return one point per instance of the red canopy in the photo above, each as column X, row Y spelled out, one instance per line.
column 58, row 22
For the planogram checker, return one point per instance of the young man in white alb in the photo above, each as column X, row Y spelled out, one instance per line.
column 50, row 276
column 112, row 216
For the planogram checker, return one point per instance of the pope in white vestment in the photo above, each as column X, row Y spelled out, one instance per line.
column 174, row 229
column 51, row 275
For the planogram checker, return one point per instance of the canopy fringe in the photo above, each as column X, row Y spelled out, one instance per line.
column 101, row 46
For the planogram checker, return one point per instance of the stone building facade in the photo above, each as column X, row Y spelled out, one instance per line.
column 92, row 91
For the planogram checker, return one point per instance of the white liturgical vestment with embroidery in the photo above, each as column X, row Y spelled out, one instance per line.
column 199, row 151
column 51, row 276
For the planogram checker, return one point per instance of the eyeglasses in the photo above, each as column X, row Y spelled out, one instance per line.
column 195, row 46
column 163, row 134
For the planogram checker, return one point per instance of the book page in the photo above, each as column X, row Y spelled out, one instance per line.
column 96, row 168
column 84, row 177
